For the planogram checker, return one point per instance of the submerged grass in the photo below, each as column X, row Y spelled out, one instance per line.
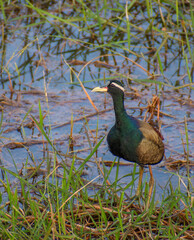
column 52, row 200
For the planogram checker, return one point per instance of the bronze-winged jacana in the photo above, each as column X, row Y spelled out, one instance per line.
column 132, row 139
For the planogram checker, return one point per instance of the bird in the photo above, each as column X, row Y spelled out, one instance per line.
column 132, row 139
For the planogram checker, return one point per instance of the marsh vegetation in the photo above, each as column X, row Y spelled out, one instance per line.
column 57, row 179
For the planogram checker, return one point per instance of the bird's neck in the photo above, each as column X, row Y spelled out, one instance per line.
column 120, row 113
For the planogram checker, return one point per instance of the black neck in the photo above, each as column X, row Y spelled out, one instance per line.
column 120, row 113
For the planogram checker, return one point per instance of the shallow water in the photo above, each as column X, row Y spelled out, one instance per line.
column 38, row 59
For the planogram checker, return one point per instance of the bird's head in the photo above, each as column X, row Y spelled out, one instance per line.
column 114, row 87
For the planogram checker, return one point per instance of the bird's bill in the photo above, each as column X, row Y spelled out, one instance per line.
column 100, row 89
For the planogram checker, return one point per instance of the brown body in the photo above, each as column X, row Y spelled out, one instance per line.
column 151, row 149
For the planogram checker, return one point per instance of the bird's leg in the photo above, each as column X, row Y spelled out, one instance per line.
column 138, row 191
column 151, row 184
column 141, row 169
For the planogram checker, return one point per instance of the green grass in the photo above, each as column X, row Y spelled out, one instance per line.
column 50, row 199
column 66, row 210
